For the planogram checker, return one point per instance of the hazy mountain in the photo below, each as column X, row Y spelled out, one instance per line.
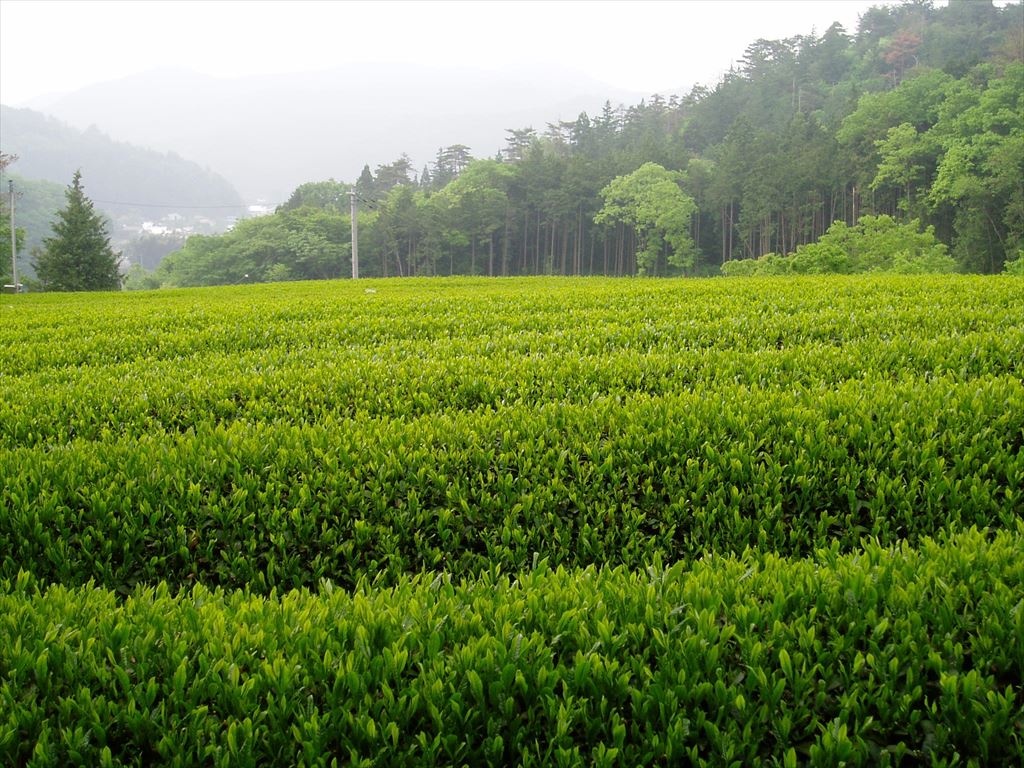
column 268, row 134
column 144, row 194
column 111, row 170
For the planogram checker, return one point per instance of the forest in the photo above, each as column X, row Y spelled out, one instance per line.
column 913, row 122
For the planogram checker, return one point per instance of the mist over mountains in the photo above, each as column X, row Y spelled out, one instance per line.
column 131, row 176
column 268, row 134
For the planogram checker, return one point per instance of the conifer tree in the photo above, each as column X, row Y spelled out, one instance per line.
column 78, row 256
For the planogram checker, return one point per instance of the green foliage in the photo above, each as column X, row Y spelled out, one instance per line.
column 549, row 522
column 979, row 174
column 138, row 279
column 330, row 195
column 884, row 657
column 476, row 202
column 930, row 262
column 361, row 506
column 5, row 246
column 529, row 522
column 273, row 437
column 651, row 201
column 904, row 155
column 824, row 258
column 6, row 256
column 875, row 244
column 915, row 116
column 36, row 206
column 914, row 105
column 148, row 250
column 78, row 256
column 305, row 243
column 769, row 264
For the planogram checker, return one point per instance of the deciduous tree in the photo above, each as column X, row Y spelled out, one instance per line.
column 651, row 201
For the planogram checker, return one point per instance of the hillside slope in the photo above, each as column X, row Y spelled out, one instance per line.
column 115, row 171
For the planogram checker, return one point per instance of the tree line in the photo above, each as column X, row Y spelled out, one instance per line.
column 916, row 118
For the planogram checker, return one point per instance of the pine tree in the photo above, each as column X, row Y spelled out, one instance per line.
column 365, row 184
column 78, row 257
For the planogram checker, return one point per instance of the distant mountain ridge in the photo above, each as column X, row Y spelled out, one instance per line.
column 270, row 133
column 132, row 180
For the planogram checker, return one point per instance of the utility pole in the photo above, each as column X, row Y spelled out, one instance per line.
column 355, row 236
column 14, row 241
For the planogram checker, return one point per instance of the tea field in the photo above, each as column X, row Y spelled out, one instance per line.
column 515, row 522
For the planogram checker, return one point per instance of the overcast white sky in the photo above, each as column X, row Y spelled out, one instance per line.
column 48, row 46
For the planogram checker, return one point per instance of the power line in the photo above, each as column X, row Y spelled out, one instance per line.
column 165, row 205
column 374, row 204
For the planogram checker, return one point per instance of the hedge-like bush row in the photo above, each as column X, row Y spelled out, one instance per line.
column 414, row 379
column 890, row 656
column 582, row 316
column 608, row 481
column 440, row 465
column 85, row 369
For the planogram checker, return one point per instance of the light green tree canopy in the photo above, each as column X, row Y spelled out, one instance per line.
column 874, row 244
column 651, row 201
column 979, row 175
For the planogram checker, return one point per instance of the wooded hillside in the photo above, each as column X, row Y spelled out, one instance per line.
column 915, row 115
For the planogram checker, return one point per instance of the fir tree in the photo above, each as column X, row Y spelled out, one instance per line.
column 78, row 257
column 365, row 184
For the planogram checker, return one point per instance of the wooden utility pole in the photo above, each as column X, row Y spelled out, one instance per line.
column 355, row 236
column 14, row 241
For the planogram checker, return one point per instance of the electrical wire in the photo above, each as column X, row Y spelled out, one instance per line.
column 165, row 205
column 374, row 205
column 366, row 201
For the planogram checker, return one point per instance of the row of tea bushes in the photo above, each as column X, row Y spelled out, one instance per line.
column 612, row 480
column 889, row 656
column 578, row 316
column 412, row 379
column 88, row 366
column 475, row 485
